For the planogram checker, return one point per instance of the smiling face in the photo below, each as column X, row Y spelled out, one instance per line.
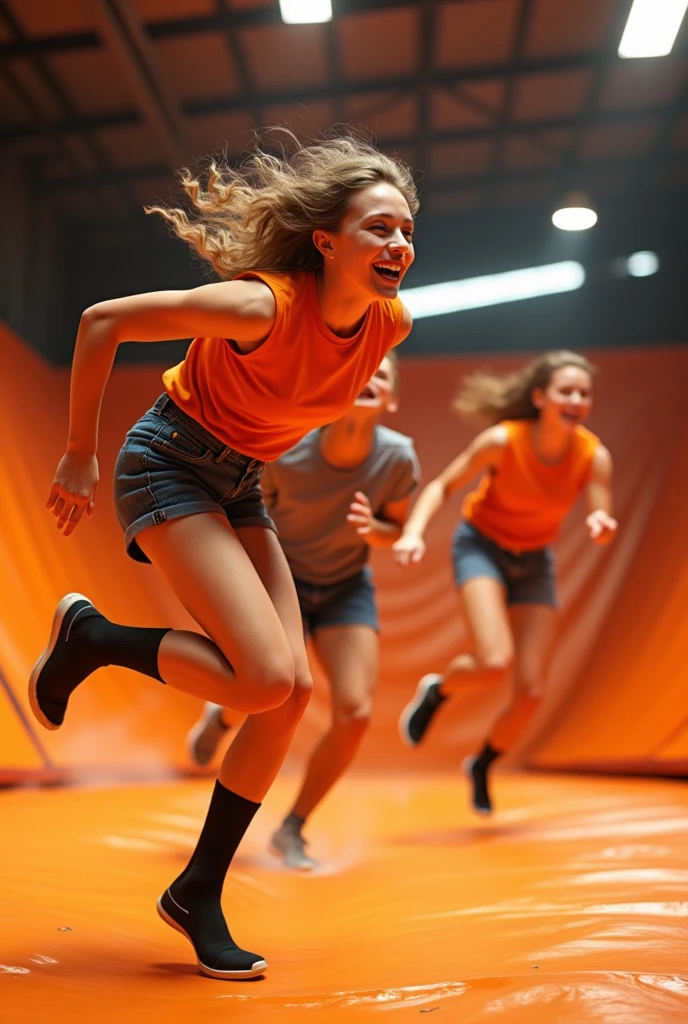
column 567, row 399
column 373, row 248
column 379, row 394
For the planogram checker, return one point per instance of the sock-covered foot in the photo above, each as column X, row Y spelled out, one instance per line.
column 202, row 922
column 417, row 715
column 206, row 736
column 289, row 844
column 82, row 640
column 65, row 662
column 477, row 770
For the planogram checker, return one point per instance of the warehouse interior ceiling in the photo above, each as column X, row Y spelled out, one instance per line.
column 500, row 105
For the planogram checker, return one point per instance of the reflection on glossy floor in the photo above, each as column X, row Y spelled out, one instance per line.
column 568, row 906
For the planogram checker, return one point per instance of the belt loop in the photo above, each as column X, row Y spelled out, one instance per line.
column 223, row 454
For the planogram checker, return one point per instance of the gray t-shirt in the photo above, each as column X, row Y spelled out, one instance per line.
column 309, row 501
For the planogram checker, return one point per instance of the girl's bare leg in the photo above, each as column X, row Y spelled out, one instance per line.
column 349, row 657
column 532, row 627
column 239, row 588
column 484, row 605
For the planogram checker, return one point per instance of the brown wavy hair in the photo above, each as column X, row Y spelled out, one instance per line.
column 488, row 398
column 262, row 214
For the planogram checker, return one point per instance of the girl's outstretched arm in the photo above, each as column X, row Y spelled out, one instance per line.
column 241, row 310
column 601, row 524
column 484, row 452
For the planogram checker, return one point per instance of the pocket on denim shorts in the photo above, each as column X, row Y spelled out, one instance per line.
column 176, row 442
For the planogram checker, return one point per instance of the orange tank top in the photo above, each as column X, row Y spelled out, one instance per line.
column 302, row 376
column 520, row 505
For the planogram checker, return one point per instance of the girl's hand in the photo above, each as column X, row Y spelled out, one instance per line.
column 73, row 490
column 601, row 527
column 361, row 514
column 409, row 549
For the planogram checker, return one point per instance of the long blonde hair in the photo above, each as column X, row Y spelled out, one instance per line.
column 262, row 214
column 488, row 398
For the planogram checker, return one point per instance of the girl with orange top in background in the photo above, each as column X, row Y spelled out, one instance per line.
column 535, row 459
column 314, row 247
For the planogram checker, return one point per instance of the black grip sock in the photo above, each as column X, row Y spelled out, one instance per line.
column 478, row 769
column 193, row 899
column 81, row 641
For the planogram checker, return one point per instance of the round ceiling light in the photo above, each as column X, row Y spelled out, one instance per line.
column 575, row 213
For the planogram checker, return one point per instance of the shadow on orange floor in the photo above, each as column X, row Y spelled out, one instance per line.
column 567, row 906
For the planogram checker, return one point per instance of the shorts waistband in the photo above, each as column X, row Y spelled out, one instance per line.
column 169, row 410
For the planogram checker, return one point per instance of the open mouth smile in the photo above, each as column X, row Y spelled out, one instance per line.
column 389, row 271
column 369, row 392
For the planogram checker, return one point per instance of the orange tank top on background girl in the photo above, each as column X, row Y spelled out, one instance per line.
column 302, row 376
column 520, row 505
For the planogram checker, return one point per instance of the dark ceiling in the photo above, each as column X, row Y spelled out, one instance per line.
column 501, row 105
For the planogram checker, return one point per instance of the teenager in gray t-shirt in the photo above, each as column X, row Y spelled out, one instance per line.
column 338, row 492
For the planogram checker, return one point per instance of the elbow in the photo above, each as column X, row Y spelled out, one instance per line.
column 439, row 490
column 95, row 315
column 98, row 319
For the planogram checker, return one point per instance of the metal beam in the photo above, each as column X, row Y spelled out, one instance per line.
column 68, row 111
column 603, row 61
column 527, row 128
column 428, row 22
column 238, row 58
column 440, row 79
column 451, row 80
column 659, row 146
column 44, row 46
column 126, row 38
column 479, row 178
column 505, row 115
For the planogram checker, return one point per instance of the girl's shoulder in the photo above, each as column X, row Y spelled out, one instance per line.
column 587, row 442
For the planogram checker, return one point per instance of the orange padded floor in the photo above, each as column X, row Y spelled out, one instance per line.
column 568, row 906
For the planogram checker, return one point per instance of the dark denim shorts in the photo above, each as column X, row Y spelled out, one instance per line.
column 349, row 603
column 528, row 576
column 170, row 466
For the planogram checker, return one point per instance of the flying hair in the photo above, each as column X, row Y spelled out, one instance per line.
column 488, row 398
column 262, row 214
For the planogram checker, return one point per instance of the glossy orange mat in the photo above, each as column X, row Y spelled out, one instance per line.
column 569, row 905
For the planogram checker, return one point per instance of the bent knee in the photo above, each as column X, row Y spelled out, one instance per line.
column 495, row 665
column 353, row 715
column 301, row 693
column 272, row 685
column 530, row 690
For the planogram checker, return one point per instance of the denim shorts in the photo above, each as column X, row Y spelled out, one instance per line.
column 170, row 466
column 349, row 603
column 528, row 576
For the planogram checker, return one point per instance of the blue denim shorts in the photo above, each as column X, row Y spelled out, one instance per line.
column 349, row 603
column 170, row 466
column 527, row 576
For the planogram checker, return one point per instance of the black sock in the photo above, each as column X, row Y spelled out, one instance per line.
column 294, row 821
column 486, row 756
column 196, row 892
column 86, row 641
column 98, row 642
column 479, row 770
column 226, row 822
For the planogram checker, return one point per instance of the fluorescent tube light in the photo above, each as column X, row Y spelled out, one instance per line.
column 493, row 289
column 305, row 12
column 652, row 28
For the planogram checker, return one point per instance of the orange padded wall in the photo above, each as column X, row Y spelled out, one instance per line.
column 617, row 686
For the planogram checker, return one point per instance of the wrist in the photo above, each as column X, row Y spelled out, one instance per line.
column 81, row 450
